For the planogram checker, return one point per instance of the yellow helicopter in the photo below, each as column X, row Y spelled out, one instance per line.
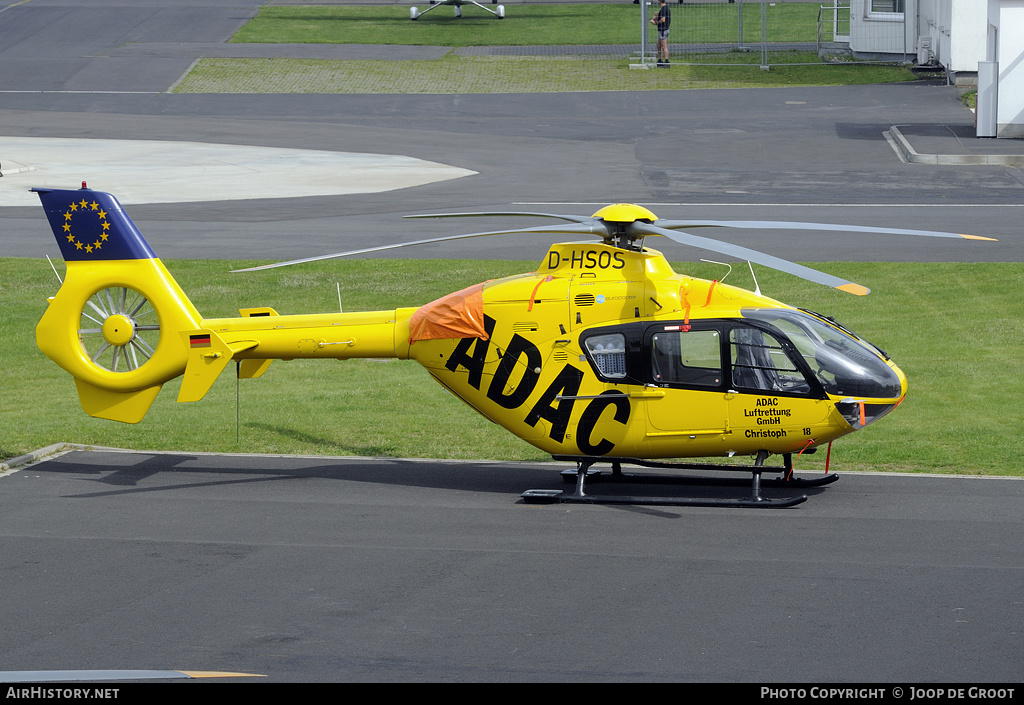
column 604, row 354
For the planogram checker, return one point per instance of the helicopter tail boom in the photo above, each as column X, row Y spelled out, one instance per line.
column 122, row 326
column 261, row 336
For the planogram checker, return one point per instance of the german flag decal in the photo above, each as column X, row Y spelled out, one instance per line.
column 201, row 340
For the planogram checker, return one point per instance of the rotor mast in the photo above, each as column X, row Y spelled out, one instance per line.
column 618, row 220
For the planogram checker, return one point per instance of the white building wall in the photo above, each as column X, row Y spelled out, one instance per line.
column 967, row 47
column 882, row 33
column 933, row 22
column 1007, row 17
column 954, row 32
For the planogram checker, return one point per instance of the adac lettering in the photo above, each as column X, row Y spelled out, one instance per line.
column 471, row 354
column 566, row 384
column 586, row 259
column 768, row 412
column 517, row 348
column 591, row 415
column 474, row 362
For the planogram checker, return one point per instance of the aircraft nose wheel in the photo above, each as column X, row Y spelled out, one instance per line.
column 119, row 329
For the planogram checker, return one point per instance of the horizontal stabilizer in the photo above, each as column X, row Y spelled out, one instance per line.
column 251, row 369
column 208, row 354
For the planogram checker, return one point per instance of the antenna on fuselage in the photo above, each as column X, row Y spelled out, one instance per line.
column 54, row 269
column 757, row 287
column 724, row 264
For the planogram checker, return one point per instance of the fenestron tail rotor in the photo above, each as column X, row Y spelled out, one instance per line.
column 119, row 329
column 625, row 225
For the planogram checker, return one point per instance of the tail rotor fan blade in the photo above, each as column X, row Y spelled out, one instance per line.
column 134, row 312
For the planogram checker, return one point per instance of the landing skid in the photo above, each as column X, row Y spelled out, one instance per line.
column 584, row 473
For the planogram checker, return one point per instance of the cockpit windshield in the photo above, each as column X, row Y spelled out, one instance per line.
column 844, row 365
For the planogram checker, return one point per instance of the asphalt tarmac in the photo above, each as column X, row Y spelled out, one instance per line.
column 345, row 569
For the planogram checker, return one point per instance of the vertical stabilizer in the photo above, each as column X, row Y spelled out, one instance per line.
column 115, row 323
column 92, row 226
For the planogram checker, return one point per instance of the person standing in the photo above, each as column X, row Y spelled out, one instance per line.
column 662, row 20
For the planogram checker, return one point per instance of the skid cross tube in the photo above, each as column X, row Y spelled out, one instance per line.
column 584, row 473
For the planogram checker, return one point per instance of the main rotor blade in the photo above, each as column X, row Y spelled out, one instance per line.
column 726, row 248
column 568, row 229
column 502, row 214
column 792, row 225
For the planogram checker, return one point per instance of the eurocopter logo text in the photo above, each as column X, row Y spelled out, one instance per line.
column 85, row 226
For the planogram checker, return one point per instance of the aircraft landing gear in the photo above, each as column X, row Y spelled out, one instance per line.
column 499, row 12
column 584, row 473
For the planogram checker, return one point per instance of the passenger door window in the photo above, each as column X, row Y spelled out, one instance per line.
column 691, row 358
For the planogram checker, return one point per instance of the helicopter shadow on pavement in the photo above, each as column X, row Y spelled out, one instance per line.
column 112, row 473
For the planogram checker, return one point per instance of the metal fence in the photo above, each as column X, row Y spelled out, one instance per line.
column 761, row 33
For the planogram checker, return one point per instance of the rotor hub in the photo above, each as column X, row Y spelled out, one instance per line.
column 118, row 329
column 618, row 220
column 624, row 213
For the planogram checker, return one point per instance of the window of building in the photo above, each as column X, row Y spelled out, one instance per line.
column 887, row 6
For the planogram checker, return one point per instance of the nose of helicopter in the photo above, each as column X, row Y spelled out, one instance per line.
column 859, row 412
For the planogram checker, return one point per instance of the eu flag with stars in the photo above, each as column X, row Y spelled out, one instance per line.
column 91, row 225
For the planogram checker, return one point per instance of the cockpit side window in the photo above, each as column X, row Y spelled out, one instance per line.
column 760, row 362
column 692, row 358
column 842, row 364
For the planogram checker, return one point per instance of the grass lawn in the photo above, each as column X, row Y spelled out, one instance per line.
column 711, row 25
column 712, row 28
column 953, row 328
column 511, row 74
column 533, row 25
